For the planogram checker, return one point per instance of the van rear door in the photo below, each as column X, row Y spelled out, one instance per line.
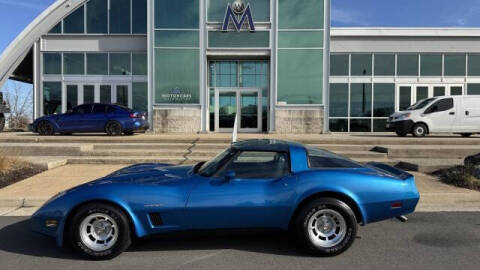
column 470, row 114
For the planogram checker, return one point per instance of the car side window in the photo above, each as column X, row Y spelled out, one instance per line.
column 440, row 106
column 100, row 108
column 83, row 109
column 258, row 165
column 111, row 109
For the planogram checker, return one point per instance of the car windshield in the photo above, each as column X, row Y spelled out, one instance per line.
column 421, row 104
column 210, row 167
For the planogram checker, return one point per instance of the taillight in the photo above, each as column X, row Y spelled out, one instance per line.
column 133, row 115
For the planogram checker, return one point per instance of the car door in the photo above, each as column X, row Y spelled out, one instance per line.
column 441, row 115
column 98, row 118
column 74, row 121
column 469, row 114
column 258, row 196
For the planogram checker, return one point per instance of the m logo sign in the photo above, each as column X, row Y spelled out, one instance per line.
column 237, row 11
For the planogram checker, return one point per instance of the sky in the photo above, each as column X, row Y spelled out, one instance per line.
column 15, row 15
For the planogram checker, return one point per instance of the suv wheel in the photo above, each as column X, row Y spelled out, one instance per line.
column 326, row 227
column 420, row 130
column 99, row 231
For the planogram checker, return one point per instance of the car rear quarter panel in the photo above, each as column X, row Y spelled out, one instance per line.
column 372, row 192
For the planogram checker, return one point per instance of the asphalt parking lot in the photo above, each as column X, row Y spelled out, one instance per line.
column 426, row 241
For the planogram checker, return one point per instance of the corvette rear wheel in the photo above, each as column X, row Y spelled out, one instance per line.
column 45, row 128
column 99, row 232
column 113, row 128
column 326, row 227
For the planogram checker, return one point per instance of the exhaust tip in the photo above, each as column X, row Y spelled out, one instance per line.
column 402, row 219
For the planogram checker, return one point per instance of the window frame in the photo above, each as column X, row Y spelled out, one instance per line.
column 237, row 152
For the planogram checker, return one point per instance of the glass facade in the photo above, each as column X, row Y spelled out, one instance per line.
column 52, row 98
column 384, row 64
column 120, row 64
column 177, row 52
column 106, row 17
column 73, row 63
column 52, row 63
column 97, row 63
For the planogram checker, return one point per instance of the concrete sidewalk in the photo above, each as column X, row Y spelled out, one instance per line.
column 22, row 198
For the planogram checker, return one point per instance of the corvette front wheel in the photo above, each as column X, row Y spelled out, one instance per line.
column 326, row 227
column 99, row 231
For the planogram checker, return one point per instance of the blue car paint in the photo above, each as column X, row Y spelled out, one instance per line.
column 189, row 201
column 92, row 122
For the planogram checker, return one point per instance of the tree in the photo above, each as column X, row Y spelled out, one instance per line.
column 18, row 98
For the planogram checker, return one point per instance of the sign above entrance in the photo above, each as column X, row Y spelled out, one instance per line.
column 238, row 10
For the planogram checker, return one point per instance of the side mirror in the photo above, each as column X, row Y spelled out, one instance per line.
column 230, row 175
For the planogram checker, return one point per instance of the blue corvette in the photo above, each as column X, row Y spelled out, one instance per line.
column 88, row 118
column 319, row 196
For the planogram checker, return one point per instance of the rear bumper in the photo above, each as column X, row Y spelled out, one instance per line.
column 400, row 126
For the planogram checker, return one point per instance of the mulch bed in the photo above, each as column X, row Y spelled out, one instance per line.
column 17, row 175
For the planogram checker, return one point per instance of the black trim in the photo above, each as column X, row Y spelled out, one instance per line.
column 401, row 126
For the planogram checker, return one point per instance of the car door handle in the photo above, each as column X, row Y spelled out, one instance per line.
column 452, row 113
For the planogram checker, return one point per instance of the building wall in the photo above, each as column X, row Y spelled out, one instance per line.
column 299, row 120
column 177, row 120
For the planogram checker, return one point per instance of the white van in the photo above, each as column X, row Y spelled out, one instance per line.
column 456, row 114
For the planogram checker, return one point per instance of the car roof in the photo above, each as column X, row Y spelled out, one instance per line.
column 265, row 145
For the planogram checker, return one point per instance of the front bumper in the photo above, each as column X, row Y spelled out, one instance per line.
column 405, row 126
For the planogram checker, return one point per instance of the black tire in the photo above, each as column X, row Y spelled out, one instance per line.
column 123, row 231
column 129, row 133
column 466, row 135
column 113, row 128
column 2, row 123
column 304, row 232
column 45, row 128
column 401, row 134
column 420, row 130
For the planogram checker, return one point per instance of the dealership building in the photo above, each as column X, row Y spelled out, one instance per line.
column 194, row 65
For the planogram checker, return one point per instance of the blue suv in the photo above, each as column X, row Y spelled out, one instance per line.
column 114, row 120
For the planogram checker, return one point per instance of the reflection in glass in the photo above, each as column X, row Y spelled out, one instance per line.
column 455, row 65
column 384, row 99
column 339, row 100
column 97, row 63
column 122, row 95
column 439, row 91
column 177, row 38
column 88, row 94
column 139, row 16
column 312, row 14
column 422, row 92
column 177, row 14
column 254, row 74
column 74, row 23
column 474, row 89
column 97, row 16
column 384, row 65
column 405, row 97
column 361, row 100
column 243, row 39
column 52, row 98
column 361, row 65
column 407, row 65
column 474, row 65
column 140, row 96
column 139, row 63
column 225, row 74
column 57, row 29
column 431, row 65
column 339, row 65
column 52, row 63
column 380, row 125
column 120, row 16
column 456, row 91
column 72, row 96
column 73, row 63
column 105, row 94
column 338, row 125
column 301, row 39
column 360, row 125
column 120, row 64
column 227, row 109
column 249, row 108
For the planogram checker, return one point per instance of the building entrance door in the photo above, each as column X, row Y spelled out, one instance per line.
column 408, row 94
column 246, row 103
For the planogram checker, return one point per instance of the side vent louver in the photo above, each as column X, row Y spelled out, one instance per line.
column 156, row 219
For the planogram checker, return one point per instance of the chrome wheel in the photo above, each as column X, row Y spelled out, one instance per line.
column 326, row 228
column 99, row 232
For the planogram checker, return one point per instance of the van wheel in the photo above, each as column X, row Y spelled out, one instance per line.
column 466, row 135
column 420, row 130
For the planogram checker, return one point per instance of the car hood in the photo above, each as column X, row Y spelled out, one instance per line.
column 147, row 174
